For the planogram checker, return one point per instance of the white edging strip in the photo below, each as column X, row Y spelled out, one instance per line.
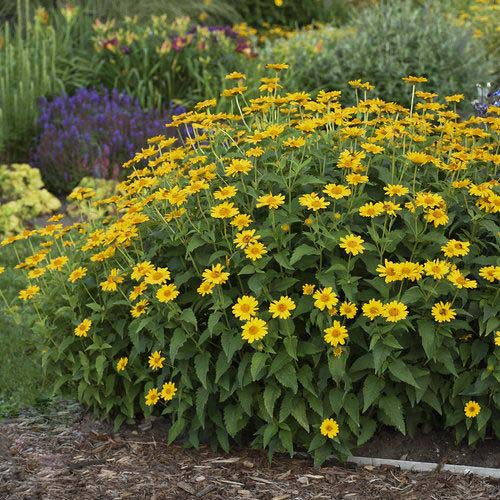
column 427, row 466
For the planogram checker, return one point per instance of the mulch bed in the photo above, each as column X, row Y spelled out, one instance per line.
column 66, row 454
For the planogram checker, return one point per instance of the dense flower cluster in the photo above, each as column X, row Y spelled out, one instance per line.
column 92, row 133
column 299, row 269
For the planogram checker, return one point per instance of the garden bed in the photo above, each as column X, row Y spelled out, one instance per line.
column 64, row 452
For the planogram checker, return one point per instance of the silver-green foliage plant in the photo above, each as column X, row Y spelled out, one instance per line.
column 387, row 42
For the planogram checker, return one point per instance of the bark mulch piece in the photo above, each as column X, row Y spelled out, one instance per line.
column 66, row 454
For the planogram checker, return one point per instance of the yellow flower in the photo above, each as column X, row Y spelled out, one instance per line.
column 270, row 200
column 337, row 191
column 336, row 334
column 282, row 308
column 497, row 338
column 156, row 360
column 456, row 248
column 348, row 309
column 255, row 251
column 168, row 391
column 326, row 298
column 36, row 273
column 490, row 273
column 224, row 210
column 137, row 291
column 443, row 312
column 139, row 309
column 215, row 275
column 254, row 329
column 245, row 308
column 373, row 309
column 225, row 192
column 152, row 397
column 167, row 293
column 77, row 274
column 436, row 268
column 294, row 142
column 437, row 216
column 277, row 66
column 472, row 409
column 205, row 288
column 355, row 179
column 29, row 293
column 235, row 75
column 313, row 202
column 395, row 190
column 460, row 281
column 2, row 269
column 352, row 244
column 329, row 428
column 122, row 363
column 157, row 276
column 246, row 238
column 238, row 166
column 241, row 221
column 254, row 152
column 58, row 263
column 112, row 281
column 414, row 79
column 418, row 158
column 371, row 209
column 394, row 311
column 83, row 328
column 308, row 289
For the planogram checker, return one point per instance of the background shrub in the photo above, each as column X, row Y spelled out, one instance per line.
column 92, row 133
column 343, row 206
column 388, row 41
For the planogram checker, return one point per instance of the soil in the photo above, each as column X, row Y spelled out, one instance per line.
column 64, row 454
column 436, row 447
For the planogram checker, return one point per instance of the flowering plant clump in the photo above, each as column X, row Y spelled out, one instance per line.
column 295, row 271
column 92, row 133
column 168, row 59
column 22, row 197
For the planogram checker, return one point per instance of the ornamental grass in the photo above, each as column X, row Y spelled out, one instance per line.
column 294, row 274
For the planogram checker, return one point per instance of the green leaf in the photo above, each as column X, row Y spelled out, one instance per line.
column 391, row 407
column 291, row 346
column 100, row 362
column 201, row 402
column 271, row 394
column 188, row 316
column 299, row 412
column 213, row 320
column 399, row 370
column 286, row 406
column 351, row 406
column 231, row 343
column 372, row 388
column 269, row 431
column 368, row 427
column 317, row 441
column 178, row 339
column 427, row 332
column 201, row 366
column 258, row 362
column 287, row 376
column 175, row 430
column 301, row 251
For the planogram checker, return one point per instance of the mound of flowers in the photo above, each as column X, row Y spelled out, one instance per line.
column 295, row 272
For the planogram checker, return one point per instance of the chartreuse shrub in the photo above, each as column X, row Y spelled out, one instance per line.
column 22, row 197
column 298, row 273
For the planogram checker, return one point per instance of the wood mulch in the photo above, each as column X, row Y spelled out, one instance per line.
column 65, row 454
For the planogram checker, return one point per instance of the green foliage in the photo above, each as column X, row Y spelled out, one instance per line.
column 95, row 191
column 22, row 197
column 382, row 44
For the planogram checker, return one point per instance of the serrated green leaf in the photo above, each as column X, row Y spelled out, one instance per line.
column 372, row 389
column 271, row 394
column 391, row 406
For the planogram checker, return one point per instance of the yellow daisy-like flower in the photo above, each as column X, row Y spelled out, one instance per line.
column 456, row 248
column 152, row 397
column 352, row 244
column 254, row 329
column 157, row 276
column 348, row 309
column 241, row 221
column 205, row 288
column 168, row 391
column 394, row 311
column 255, row 251
column 497, row 338
column 254, row 152
column 121, row 364
column 490, row 273
column 472, row 409
column 224, row 210
column 326, row 298
column 308, row 289
column 77, row 274
column 395, row 190
column 270, row 200
column 215, row 275
column 414, row 79
column 282, row 307
column 373, row 309
column 442, row 312
column 83, row 328
column 437, row 269
column 371, row 209
column 336, row 334
column 36, row 273
column 112, row 281
column 156, row 360
column 238, row 166
column 137, row 291
column 329, row 428
column 141, row 269
column 58, row 263
column 313, row 202
column 139, row 309
column 167, row 293
column 245, row 238
column 225, row 192
column 29, row 292
column 245, row 308
column 337, row 191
